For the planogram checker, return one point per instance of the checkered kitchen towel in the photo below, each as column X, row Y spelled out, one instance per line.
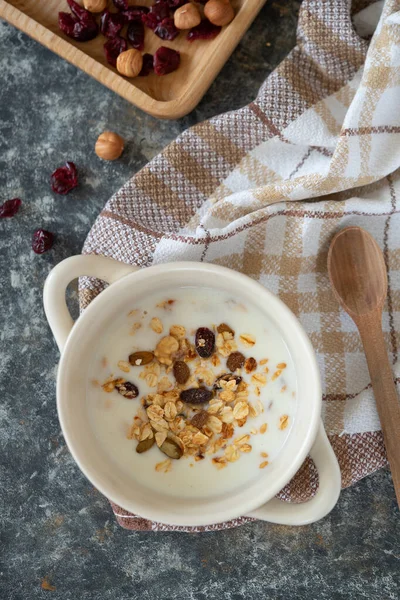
column 264, row 189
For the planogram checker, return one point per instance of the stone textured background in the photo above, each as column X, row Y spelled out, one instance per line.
column 54, row 526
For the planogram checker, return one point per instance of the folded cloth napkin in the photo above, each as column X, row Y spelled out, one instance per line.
column 263, row 190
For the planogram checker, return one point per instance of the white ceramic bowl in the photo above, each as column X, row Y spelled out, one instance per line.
column 76, row 343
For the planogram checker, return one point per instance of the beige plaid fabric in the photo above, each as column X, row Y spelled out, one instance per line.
column 263, row 190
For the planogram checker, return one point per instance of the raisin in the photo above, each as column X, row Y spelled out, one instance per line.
column 235, row 361
column 204, row 31
column 181, row 372
column 111, row 24
column 113, row 48
column 226, row 377
column 135, row 34
column 166, row 29
column 81, row 25
column 64, row 179
column 200, row 419
column 204, row 342
column 10, row 208
column 42, row 241
column 127, row 389
column 147, row 67
column 225, row 328
column 145, row 445
column 134, row 13
column 196, row 395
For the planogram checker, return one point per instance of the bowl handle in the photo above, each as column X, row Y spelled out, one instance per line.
column 289, row 513
column 55, row 306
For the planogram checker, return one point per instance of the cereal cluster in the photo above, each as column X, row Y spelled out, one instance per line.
column 200, row 399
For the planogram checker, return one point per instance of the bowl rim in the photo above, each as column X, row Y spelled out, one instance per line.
column 231, row 511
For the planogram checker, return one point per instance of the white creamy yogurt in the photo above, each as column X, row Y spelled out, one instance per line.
column 111, row 414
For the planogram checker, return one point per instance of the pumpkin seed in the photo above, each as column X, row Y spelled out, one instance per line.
column 145, row 445
column 172, row 448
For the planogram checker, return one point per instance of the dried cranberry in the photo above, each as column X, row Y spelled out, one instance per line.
column 147, row 67
column 161, row 9
column 134, row 13
column 158, row 12
column 166, row 60
column 81, row 25
column 111, row 23
column 121, row 4
column 204, row 31
column 64, row 179
column 150, row 20
column 166, row 30
column 174, row 4
column 204, row 342
column 136, row 34
column 113, row 48
column 10, row 208
column 42, row 241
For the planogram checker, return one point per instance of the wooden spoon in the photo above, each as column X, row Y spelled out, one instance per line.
column 358, row 276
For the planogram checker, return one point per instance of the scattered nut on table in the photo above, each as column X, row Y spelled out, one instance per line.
column 109, row 145
column 219, row 12
column 129, row 63
column 187, row 16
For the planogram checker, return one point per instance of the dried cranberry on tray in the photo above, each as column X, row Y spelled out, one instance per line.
column 158, row 12
column 111, row 23
column 166, row 60
column 204, row 31
column 135, row 34
column 134, row 13
column 148, row 65
column 81, row 25
column 121, row 4
column 166, row 29
column 113, row 48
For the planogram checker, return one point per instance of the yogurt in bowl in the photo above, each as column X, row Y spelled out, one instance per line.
column 214, row 402
column 189, row 394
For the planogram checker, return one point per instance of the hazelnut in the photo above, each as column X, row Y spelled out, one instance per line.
column 219, row 12
column 187, row 16
column 109, row 145
column 95, row 6
column 129, row 63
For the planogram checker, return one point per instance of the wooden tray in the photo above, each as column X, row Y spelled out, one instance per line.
column 169, row 97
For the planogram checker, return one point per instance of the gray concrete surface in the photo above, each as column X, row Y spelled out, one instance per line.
column 54, row 525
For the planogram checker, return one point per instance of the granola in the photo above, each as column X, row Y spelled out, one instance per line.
column 198, row 399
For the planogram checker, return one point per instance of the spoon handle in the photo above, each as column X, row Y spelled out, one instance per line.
column 387, row 402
